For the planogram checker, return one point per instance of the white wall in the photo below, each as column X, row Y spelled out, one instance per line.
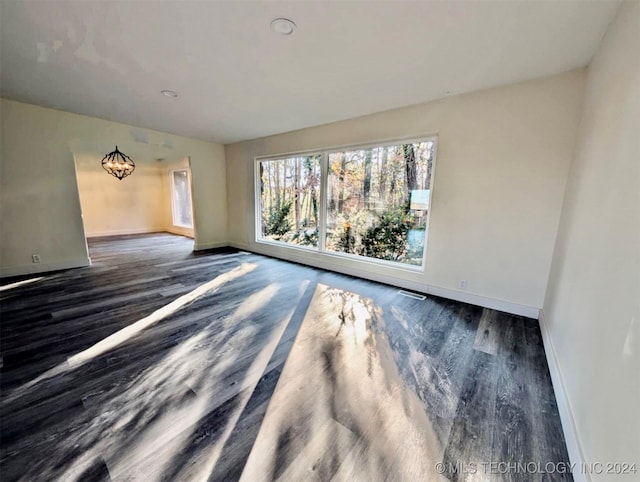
column 502, row 162
column 592, row 309
column 137, row 204
column 40, row 211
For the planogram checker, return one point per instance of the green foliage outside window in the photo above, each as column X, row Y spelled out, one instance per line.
column 377, row 200
column 388, row 239
column 277, row 222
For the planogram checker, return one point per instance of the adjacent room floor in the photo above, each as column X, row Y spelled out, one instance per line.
column 160, row 364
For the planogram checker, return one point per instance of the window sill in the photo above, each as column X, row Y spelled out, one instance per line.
column 334, row 256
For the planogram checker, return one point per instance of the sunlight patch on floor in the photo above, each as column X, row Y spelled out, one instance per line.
column 142, row 431
column 19, row 283
column 130, row 331
column 257, row 369
column 121, row 336
column 341, row 410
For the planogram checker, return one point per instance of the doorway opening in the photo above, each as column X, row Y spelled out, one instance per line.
column 155, row 198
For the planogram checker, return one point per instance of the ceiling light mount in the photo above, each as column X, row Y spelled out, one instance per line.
column 283, row 26
column 118, row 164
column 169, row 93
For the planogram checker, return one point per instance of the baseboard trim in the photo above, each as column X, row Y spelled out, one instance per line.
column 203, row 246
column 465, row 297
column 569, row 427
column 484, row 301
column 122, row 232
column 42, row 268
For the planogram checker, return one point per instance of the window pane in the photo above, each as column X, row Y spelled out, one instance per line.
column 181, row 200
column 289, row 192
column 378, row 200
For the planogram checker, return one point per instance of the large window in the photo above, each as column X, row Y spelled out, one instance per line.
column 373, row 201
column 378, row 200
column 289, row 199
column 181, row 198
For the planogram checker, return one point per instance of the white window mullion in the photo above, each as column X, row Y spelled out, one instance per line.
column 257, row 200
column 324, row 174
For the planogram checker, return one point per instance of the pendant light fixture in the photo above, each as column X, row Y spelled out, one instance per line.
column 118, row 164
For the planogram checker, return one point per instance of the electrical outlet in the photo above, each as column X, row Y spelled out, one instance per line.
column 463, row 284
column 35, row 258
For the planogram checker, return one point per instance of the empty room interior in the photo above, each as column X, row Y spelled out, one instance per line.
column 320, row 240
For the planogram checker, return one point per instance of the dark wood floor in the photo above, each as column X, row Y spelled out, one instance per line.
column 160, row 364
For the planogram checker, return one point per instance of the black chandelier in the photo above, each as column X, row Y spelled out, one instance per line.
column 117, row 164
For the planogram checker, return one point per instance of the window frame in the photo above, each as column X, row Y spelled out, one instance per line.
column 173, row 197
column 258, row 200
column 322, row 212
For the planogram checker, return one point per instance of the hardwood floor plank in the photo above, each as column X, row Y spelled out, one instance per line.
column 284, row 372
column 488, row 335
column 513, row 424
column 471, row 438
column 548, row 439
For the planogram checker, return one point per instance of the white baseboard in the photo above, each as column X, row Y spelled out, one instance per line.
column 42, row 268
column 569, row 427
column 463, row 296
column 484, row 301
column 218, row 244
column 121, row 232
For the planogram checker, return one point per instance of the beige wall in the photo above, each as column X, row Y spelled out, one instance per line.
column 137, row 204
column 40, row 210
column 592, row 307
column 502, row 162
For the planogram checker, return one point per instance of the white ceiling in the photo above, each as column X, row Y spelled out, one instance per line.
column 238, row 80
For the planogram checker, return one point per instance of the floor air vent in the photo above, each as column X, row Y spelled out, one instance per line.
column 415, row 296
